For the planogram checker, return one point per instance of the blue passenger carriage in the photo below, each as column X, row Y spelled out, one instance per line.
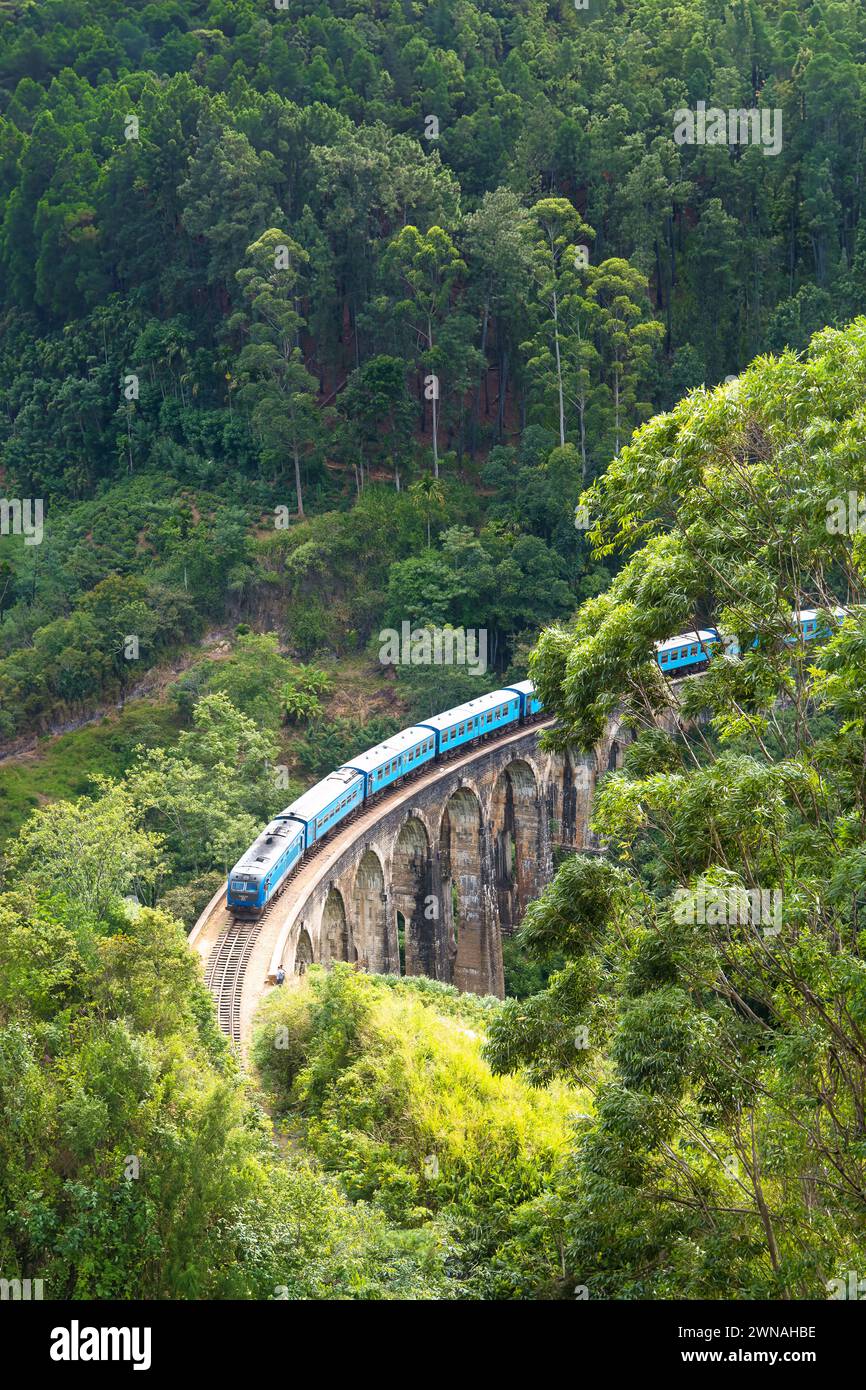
column 530, row 701
column 466, row 723
column 690, row 651
column 395, row 758
column 263, row 869
column 811, row 626
column 806, row 624
column 328, row 803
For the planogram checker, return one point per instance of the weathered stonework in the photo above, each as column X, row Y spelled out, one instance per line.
column 430, row 888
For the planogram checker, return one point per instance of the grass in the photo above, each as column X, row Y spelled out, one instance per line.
column 389, row 1071
column 62, row 766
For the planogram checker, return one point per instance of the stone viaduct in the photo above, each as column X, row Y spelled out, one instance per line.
column 430, row 884
column 424, row 882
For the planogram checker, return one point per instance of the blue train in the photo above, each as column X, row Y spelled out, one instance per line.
column 263, row 871
column 690, row 652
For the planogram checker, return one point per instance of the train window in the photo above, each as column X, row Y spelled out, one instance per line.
column 693, row 651
column 462, row 729
column 663, row 659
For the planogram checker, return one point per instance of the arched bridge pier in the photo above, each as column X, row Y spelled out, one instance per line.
column 427, row 881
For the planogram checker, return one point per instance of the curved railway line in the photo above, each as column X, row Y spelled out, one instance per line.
column 225, row 972
column 227, row 944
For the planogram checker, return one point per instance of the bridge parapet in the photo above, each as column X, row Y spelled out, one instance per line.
column 432, row 883
column 427, row 880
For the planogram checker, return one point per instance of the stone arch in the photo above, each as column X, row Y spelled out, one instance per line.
column 335, row 935
column 611, row 749
column 416, row 904
column 570, row 795
column 468, row 897
column 370, row 902
column 515, row 814
column 303, row 952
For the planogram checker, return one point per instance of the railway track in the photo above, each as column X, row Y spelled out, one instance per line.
column 229, row 956
column 225, row 972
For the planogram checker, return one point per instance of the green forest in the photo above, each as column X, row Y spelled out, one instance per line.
column 317, row 319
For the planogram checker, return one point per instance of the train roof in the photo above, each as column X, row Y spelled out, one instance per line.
column 308, row 806
column 525, row 687
column 807, row 614
column 703, row 634
column 396, row 744
column 471, row 707
column 270, row 845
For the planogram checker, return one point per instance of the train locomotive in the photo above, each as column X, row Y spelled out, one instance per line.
column 297, row 832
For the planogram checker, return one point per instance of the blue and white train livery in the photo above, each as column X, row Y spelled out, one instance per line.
column 530, row 703
column 268, row 864
column 691, row 651
column 259, row 875
column 266, row 867
column 328, row 802
column 475, row 719
column 389, row 761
